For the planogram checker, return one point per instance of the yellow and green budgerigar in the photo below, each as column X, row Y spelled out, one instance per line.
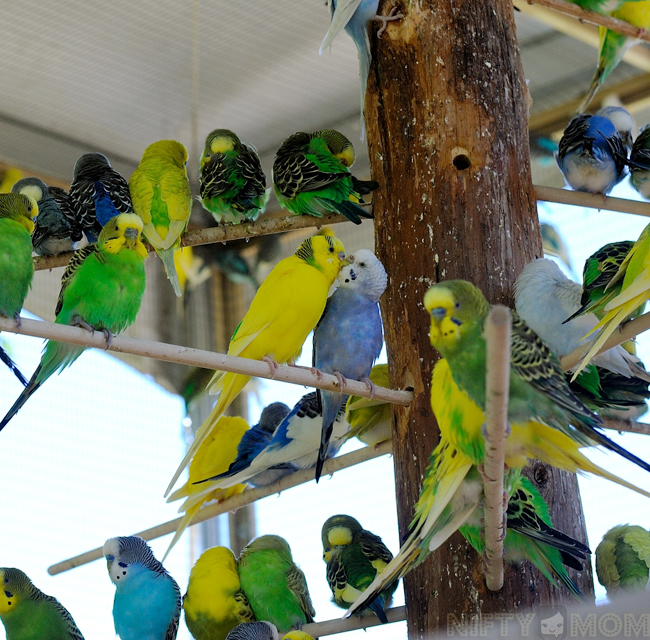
column 214, row 602
column 370, row 419
column 29, row 614
column 160, row 192
column 297, row 635
column 623, row 560
column 215, row 455
column 283, row 312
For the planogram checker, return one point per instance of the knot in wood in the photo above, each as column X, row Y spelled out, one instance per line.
column 540, row 475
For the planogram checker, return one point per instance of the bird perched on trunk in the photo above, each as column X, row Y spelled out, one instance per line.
column 160, row 191
column 640, row 163
column 623, row 560
column 348, row 337
column 285, row 309
column 311, row 176
column 98, row 192
column 147, row 603
column 254, row 631
column 53, row 233
column 214, row 603
column 16, row 265
column 276, row 588
column 101, row 290
column 355, row 16
column 354, row 557
column 232, row 184
column 28, row 614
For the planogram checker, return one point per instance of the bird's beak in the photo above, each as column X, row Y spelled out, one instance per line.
column 439, row 312
column 131, row 233
column 344, row 261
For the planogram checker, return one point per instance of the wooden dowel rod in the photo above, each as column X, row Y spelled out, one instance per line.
column 235, row 502
column 627, row 426
column 341, row 625
column 581, row 14
column 198, row 358
column 497, row 384
column 581, row 199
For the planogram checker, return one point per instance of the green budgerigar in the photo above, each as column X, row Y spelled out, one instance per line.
column 623, row 560
column 101, row 290
column 275, row 587
column 354, row 558
column 311, row 176
column 232, row 184
column 160, row 192
column 16, row 266
column 29, row 614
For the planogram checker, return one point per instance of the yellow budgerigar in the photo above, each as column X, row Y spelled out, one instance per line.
column 283, row 312
column 160, row 191
column 215, row 603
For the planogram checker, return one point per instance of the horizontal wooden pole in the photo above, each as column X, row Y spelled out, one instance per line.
column 241, row 499
column 198, row 358
column 627, row 426
column 341, row 625
column 592, row 201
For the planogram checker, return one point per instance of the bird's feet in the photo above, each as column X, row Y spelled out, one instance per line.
column 341, row 380
column 317, row 372
column 273, row 366
column 370, row 385
column 108, row 336
column 78, row 321
column 18, row 320
column 391, row 17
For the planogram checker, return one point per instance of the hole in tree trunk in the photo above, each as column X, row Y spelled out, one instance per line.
column 461, row 162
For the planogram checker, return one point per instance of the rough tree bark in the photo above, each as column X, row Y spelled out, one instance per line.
column 447, row 123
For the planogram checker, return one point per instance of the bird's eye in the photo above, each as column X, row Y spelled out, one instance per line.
column 331, row 249
column 362, row 264
column 457, row 305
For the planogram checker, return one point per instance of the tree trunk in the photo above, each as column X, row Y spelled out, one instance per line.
column 447, row 123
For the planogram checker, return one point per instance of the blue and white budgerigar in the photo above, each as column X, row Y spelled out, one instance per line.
column 348, row 337
column 591, row 154
column 622, row 121
column 354, row 16
column 147, row 603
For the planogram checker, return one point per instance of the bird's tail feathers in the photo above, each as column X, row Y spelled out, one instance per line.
column 4, row 356
column 25, row 395
column 182, row 525
column 364, row 187
column 325, row 436
column 377, row 606
column 353, row 212
column 167, row 257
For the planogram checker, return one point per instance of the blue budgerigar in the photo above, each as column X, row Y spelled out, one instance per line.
column 592, row 155
column 147, row 603
column 348, row 337
column 98, row 192
column 354, row 16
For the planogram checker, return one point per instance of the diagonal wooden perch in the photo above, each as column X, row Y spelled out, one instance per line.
column 497, row 384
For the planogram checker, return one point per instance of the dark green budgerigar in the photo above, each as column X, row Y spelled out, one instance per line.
column 354, row 558
column 275, row 587
column 28, row 614
column 311, row 176
column 232, row 184
column 623, row 560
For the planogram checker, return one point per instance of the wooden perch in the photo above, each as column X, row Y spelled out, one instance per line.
column 235, row 502
column 627, row 426
column 341, row 625
column 599, row 19
column 592, row 201
column 198, row 358
column 497, row 384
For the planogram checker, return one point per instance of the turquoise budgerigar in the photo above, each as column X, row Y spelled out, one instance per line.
column 276, row 588
column 311, row 176
column 623, row 560
column 147, row 603
column 354, row 557
column 101, row 290
column 29, row 614
column 16, row 266
column 348, row 337
column 232, row 184
column 98, row 192
column 160, row 191
column 354, row 16
column 254, row 631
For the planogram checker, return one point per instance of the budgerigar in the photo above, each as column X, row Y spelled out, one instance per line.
column 53, row 233
column 553, row 244
column 232, row 184
column 297, row 635
column 16, row 266
column 640, row 163
column 621, row 119
column 215, row 455
column 623, row 560
column 538, row 388
column 285, row 309
column 371, row 419
column 98, row 192
column 214, row 603
column 294, row 445
column 348, row 337
column 254, row 631
column 29, row 614
column 591, row 154
column 147, row 603
column 160, row 191
column 311, row 176
column 354, row 16
column 101, row 290
column 354, row 557
column 276, row 588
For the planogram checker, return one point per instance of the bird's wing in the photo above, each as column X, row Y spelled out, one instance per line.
column 298, row 585
column 75, row 262
column 342, row 11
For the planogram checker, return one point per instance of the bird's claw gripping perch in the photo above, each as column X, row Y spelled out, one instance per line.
column 317, row 372
column 391, row 17
column 370, row 385
column 341, row 380
column 273, row 366
column 18, row 320
column 108, row 336
column 78, row 321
